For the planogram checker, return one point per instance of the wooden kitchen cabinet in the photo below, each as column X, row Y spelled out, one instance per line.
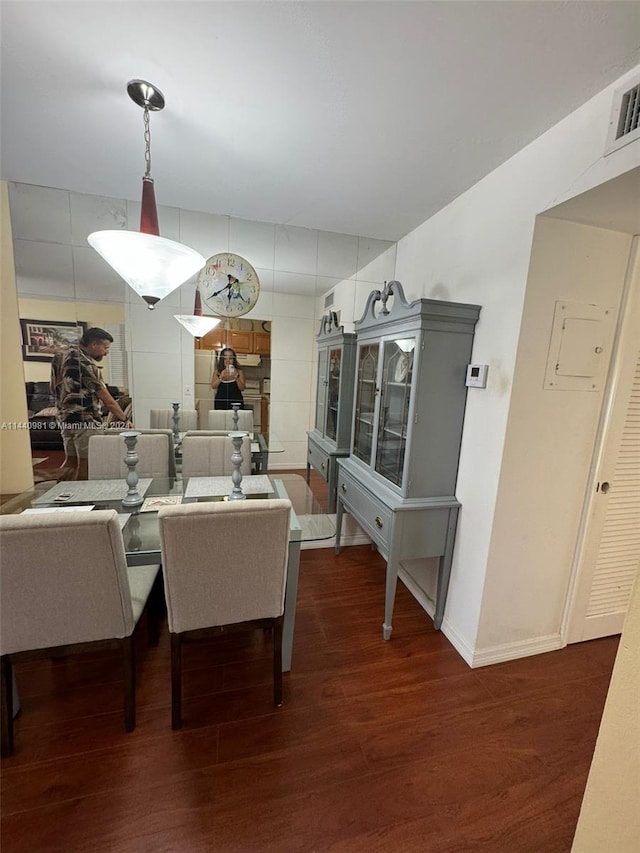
column 238, row 339
column 261, row 343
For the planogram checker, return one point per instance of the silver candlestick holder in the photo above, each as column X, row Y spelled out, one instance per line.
column 235, row 416
column 132, row 498
column 236, row 493
column 176, row 422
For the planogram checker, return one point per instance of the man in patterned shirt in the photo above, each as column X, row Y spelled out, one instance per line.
column 81, row 392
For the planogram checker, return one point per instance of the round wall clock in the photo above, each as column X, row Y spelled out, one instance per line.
column 228, row 285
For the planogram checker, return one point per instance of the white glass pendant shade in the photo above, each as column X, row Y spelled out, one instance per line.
column 197, row 326
column 153, row 266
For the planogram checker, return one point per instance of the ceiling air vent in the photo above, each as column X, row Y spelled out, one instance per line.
column 328, row 300
column 624, row 126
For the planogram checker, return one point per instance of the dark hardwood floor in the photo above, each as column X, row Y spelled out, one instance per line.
column 396, row 746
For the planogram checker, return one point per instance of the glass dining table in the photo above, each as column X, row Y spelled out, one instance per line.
column 141, row 532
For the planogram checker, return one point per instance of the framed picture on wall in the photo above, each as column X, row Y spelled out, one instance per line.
column 41, row 338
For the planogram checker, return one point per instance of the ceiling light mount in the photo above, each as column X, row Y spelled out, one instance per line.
column 145, row 95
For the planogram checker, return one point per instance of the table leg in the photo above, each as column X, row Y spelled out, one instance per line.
column 308, row 473
column 444, row 568
column 290, row 600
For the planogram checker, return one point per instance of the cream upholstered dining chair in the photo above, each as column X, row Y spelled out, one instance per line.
column 66, row 588
column 231, row 577
column 154, row 448
column 208, row 454
column 163, row 419
column 222, row 419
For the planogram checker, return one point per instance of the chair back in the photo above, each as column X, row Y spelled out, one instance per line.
column 163, row 419
column 235, row 567
column 223, row 419
column 209, row 455
column 64, row 580
column 107, row 452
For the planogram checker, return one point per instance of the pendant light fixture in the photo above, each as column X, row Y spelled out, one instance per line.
column 197, row 324
column 152, row 265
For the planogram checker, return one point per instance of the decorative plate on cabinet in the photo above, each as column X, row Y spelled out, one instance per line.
column 229, row 285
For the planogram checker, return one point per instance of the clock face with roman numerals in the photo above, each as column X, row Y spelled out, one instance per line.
column 229, row 285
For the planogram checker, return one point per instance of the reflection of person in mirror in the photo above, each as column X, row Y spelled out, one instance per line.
column 228, row 380
column 80, row 394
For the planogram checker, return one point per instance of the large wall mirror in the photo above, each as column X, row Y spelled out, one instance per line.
column 61, row 279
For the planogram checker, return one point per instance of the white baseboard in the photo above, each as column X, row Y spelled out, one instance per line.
column 459, row 643
column 519, row 649
column 484, row 657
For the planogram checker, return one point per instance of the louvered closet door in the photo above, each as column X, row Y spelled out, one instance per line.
column 619, row 552
column 610, row 549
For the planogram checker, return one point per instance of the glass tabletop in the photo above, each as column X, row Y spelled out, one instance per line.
column 141, row 532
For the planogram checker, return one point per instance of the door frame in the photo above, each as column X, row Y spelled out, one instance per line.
column 578, row 593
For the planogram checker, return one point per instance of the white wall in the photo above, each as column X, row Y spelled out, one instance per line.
column 549, row 443
column 477, row 250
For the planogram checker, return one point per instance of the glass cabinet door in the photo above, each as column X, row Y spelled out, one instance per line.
column 321, row 390
column 365, row 401
column 397, row 372
column 333, row 391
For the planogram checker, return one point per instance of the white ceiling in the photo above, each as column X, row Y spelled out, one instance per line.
column 356, row 117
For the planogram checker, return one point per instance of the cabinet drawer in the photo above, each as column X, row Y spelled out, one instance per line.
column 370, row 513
column 319, row 460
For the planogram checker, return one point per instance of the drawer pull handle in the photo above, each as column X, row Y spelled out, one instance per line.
column 344, row 488
column 322, row 466
column 378, row 522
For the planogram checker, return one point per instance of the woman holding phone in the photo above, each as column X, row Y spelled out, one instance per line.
column 228, row 381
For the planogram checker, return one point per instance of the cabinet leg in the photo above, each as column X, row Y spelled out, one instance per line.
column 308, row 473
column 339, row 511
column 444, row 569
column 389, row 599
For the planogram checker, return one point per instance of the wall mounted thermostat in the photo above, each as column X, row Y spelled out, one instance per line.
column 477, row 375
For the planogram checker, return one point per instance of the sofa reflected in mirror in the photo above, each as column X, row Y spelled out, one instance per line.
column 44, row 429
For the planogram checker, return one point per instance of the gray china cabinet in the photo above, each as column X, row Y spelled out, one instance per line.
column 330, row 439
column 399, row 480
